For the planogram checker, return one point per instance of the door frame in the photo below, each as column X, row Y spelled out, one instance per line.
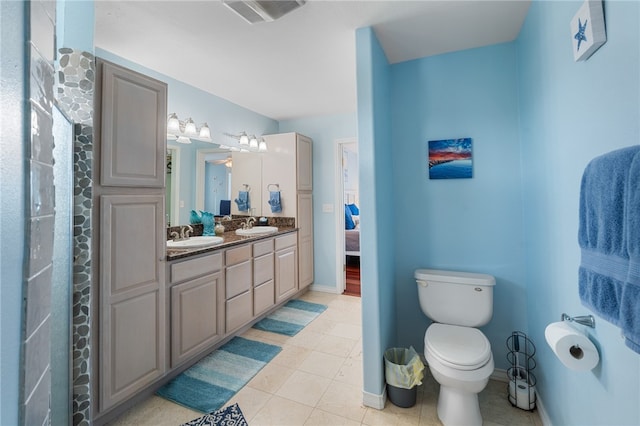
column 341, row 284
column 175, row 184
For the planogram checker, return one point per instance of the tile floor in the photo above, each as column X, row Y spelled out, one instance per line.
column 317, row 380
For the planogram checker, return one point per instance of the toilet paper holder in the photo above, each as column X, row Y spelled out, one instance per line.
column 587, row 320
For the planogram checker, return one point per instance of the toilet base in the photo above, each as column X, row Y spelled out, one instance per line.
column 450, row 402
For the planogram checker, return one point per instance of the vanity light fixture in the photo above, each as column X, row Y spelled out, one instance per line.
column 244, row 139
column 253, row 142
column 184, row 131
column 262, row 145
column 247, row 143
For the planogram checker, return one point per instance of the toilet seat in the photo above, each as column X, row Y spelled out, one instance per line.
column 461, row 348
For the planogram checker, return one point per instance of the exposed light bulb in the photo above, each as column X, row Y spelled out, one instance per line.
column 262, row 146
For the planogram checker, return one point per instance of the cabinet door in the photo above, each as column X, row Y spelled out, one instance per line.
column 305, row 238
column 247, row 170
column 286, row 273
column 196, row 317
column 305, row 163
column 279, row 168
column 132, row 295
column 133, row 128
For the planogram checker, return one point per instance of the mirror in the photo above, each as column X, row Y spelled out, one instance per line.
column 213, row 179
column 199, row 176
column 196, row 179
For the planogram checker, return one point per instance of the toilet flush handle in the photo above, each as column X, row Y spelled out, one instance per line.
column 422, row 283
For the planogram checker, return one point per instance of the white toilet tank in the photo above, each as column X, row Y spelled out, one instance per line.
column 457, row 298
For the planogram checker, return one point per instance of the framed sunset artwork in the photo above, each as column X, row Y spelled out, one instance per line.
column 450, row 159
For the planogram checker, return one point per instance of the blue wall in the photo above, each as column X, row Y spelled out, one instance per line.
column 221, row 115
column 472, row 225
column 325, row 131
column 377, row 213
column 571, row 112
column 14, row 119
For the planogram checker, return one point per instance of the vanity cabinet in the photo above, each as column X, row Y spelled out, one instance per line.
column 239, row 286
column 129, row 235
column 263, row 277
column 286, row 266
column 197, row 306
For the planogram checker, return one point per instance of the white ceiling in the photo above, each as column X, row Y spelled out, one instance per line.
column 302, row 64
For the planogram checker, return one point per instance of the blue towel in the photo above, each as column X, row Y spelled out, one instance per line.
column 604, row 238
column 274, row 201
column 225, row 207
column 243, row 201
column 630, row 303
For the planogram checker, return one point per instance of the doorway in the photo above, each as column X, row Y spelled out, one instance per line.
column 347, row 218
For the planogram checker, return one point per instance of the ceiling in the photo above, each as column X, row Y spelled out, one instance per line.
column 302, row 64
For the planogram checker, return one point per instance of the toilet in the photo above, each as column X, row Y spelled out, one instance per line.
column 459, row 355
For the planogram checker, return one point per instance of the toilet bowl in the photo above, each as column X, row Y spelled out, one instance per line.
column 458, row 354
column 460, row 360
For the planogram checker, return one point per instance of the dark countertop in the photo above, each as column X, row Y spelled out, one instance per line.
column 230, row 239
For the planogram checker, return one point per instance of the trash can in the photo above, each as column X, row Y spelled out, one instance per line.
column 403, row 371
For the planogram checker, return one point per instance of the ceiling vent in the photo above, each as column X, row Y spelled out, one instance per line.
column 254, row 11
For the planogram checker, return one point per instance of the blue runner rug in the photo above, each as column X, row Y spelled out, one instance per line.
column 291, row 318
column 211, row 382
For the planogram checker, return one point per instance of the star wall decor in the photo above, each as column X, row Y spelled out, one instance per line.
column 588, row 30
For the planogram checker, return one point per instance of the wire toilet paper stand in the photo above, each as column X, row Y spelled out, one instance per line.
column 522, row 382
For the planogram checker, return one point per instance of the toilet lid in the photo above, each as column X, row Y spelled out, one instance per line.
column 464, row 348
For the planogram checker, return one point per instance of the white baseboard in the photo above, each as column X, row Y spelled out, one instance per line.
column 373, row 400
column 324, row 288
column 544, row 416
column 499, row 375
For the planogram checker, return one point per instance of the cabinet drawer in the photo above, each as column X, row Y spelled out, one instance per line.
column 238, row 254
column 262, row 269
column 238, row 279
column 192, row 268
column 286, row 241
column 239, row 311
column 263, row 297
column 263, row 247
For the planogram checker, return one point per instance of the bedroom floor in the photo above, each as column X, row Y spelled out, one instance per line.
column 352, row 278
column 317, row 380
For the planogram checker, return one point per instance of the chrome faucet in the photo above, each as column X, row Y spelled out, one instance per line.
column 248, row 223
column 185, row 232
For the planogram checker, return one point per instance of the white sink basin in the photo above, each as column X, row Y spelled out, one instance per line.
column 257, row 230
column 195, row 242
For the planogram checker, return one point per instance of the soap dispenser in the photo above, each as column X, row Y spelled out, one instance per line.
column 218, row 229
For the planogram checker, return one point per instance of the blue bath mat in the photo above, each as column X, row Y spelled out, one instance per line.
column 291, row 318
column 211, row 382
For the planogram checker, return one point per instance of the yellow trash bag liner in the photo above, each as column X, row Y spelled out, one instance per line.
column 403, row 367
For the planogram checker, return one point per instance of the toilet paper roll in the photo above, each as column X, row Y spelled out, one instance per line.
column 572, row 348
column 522, row 395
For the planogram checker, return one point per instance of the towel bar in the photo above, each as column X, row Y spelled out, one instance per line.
column 587, row 320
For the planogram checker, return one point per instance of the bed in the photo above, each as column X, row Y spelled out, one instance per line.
column 352, row 227
column 352, row 242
